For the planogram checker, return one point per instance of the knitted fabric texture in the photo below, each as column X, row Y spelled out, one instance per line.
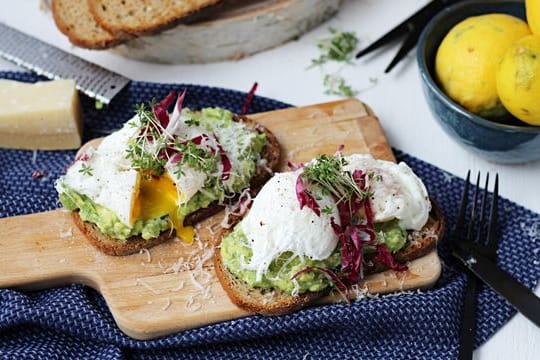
column 73, row 321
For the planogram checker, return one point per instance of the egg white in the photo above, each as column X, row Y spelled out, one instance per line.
column 397, row 192
column 276, row 224
column 112, row 183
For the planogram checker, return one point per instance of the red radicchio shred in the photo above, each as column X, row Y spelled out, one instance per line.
column 335, row 279
column 225, row 161
column 305, row 198
column 356, row 257
column 385, row 256
column 83, row 157
column 369, row 213
column 245, row 202
column 180, row 101
column 160, row 109
column 340, row 149
column 294, row 167
column 176, row 158
column 360, row 178
column 198, row 139
column 36, row 174
column 249, row 98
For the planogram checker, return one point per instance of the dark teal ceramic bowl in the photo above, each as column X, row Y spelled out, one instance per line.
column 511, row 142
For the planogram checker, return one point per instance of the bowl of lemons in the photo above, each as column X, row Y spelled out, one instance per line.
column 480, row 67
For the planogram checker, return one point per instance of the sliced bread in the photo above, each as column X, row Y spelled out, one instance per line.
column 143, row 16
column 277, row 302
column 74, row 19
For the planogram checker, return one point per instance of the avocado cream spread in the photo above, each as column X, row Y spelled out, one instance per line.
column 236, row 254
column 107, row 221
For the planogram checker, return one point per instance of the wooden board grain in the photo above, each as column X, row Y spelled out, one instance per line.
column 161, row 291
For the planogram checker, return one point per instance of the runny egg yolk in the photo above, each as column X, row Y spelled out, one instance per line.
column 158, row 196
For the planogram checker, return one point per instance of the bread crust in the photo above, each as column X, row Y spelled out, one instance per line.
column 271, row 152
column 116, row 247
column 279, row 303
column 259, row 301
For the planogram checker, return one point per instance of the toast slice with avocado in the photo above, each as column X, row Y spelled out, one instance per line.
column 325, row 225
column 278, row 302
column 160, row 174
column 270, row 154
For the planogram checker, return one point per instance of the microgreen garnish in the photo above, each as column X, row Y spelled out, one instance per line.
column 327, row 210
column 340, row 46
column 336, row 85
column 86, row 170
column 195, row 157
column 326, row 171
column 145, row 150
column 192, row 122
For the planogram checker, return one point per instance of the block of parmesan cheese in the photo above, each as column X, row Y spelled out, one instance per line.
column 43, row 116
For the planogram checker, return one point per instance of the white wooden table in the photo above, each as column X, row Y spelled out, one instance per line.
column 397, row 99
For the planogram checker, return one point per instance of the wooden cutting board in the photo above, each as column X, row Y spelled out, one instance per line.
column 162, row 291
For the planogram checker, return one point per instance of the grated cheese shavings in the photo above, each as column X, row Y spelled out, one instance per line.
column 180, row 286
column 167, row 304
column 66, row 233
column 147, row 252
column 147, row 286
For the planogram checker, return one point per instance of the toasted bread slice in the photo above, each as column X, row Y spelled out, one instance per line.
column 277, row 302
column 271, row 153
column 260, row 301
column 140, row 17
column 73, row 18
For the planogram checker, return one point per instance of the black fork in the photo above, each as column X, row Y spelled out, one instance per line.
column 478, row 252
column 489, row 248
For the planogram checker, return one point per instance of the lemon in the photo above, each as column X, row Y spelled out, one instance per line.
column 468, row 57
column 518, row 79
column 533, row 15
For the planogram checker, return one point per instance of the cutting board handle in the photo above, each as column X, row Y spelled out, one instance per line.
column 44, row 250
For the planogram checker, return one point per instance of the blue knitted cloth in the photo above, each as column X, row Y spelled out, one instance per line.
column 74, row 321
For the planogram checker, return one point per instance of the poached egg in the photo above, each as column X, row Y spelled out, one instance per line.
column 397, row 192
column 276, row 224
column 114, row 185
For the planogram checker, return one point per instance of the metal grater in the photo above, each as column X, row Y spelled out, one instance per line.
column 54, row 63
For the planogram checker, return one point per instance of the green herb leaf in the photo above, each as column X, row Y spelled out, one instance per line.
column 340, row 46
column 336, row 85
column 86, row 170
column 196, row 158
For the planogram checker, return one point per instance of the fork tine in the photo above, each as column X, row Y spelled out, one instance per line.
column 483, row 210
column 463, row 206
column 492, row 229
column 473, row 209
